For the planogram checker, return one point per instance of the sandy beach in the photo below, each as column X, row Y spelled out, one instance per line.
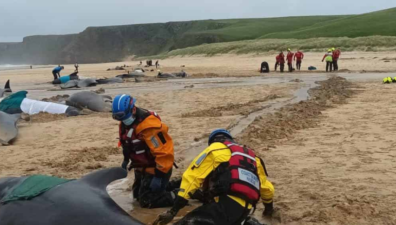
column 335, row 167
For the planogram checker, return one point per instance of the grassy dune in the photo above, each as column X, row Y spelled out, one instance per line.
column 376, row 23
column 247, row 29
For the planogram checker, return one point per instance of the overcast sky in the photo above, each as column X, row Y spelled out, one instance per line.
column 20, row 18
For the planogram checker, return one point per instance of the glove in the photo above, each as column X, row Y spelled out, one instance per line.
column 252, row 221
column 155, row 184
column 168, row 216
column 125, row 164
column 269, row 209
column 165, row 218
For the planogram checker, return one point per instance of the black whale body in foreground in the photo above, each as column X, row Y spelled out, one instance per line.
column 80, row 202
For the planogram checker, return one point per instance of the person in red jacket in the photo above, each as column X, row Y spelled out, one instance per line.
column 277, row 58
column 336, row 56
column 290, row 59
column 298, row 57
column 281, row 58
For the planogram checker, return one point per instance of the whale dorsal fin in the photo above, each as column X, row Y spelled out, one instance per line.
column 100, row 179
column 7, row 86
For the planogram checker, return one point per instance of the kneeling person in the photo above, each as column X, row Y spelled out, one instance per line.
column 235, row 178
column 148, row 148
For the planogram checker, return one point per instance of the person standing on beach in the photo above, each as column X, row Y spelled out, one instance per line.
column 156, row 64
column 290, row 60
column 298, row 57
column 281, row 61
column 76, row 66
column 56, row 71
column 277, row 58
column 336, row 56
column 329, row 60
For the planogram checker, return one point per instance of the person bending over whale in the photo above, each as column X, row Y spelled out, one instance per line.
column 235, row 180
column 56, row 72
column 148, row 148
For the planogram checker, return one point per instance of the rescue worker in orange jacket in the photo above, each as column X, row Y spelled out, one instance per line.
column 290, row 59
column 235, row 180
column 148, row 148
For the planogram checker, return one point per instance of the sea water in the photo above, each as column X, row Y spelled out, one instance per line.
column 13, row 67
column 5, row 67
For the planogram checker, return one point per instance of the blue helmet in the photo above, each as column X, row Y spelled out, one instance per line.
column 122, row 107
column 217, row 132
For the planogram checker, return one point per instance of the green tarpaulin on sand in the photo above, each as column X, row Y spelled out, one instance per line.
column 12, row 104
column 32, row 187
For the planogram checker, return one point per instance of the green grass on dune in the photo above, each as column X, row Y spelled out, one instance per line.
column 373, row 43
column 244, row 29
column 376, row 23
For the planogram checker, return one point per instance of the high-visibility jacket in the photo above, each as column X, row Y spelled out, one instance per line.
column 147, row 144
column 207, row 162
column 328, row 56
column 388, row 80
column 299, row 56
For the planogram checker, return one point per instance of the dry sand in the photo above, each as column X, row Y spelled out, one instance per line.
column 341, row 171
column 335, row 166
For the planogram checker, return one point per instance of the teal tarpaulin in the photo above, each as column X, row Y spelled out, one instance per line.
column 64, row 79
column 12, row 104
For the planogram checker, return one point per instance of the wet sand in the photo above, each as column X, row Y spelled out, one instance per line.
column 335, row 170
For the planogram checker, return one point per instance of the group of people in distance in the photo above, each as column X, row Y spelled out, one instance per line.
column 290, row 57
column 331, row 57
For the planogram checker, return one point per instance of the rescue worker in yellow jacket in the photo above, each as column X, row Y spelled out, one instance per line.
column 148, row 148
column 234, row 177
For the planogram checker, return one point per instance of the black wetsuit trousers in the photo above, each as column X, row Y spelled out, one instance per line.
column 335, row 65
column 224, row 212
column 329, row 66
column 298, row 65
column 290, row 66
column 276, row 65
column 282, row 67
column 147, row 198
column 56, row 75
